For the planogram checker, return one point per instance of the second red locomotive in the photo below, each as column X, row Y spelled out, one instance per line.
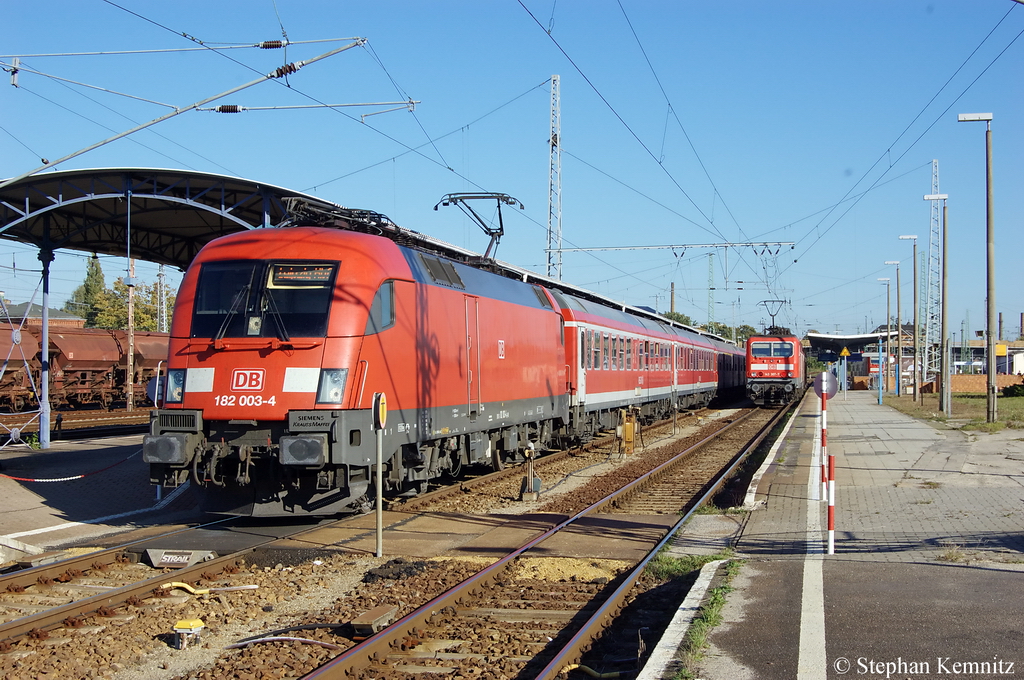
column 281, row 337
column 776, row 371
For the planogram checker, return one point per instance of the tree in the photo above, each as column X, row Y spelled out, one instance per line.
column 87, row 300
column 114, row 307
column 104, row 307
column 743, row 332
column 679, row 318
column 719, row 329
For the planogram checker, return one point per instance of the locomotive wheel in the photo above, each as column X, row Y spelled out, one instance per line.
column 497, row 461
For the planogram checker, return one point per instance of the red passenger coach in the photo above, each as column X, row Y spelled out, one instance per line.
column 776, row 371
column 281, row 337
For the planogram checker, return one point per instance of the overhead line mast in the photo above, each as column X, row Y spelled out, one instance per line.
column 932, row 291
column 554, row 249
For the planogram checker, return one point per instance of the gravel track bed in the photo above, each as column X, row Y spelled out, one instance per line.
column 575, row 482
column 316, row 600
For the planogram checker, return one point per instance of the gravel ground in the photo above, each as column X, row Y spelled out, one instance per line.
column 330, row 590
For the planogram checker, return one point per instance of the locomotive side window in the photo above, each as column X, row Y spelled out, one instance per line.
column 382, row 311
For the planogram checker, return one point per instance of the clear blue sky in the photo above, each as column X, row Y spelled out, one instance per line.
column 682, row 123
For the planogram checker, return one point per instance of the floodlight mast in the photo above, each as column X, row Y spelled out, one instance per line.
column 990, row 297
column 915, row 371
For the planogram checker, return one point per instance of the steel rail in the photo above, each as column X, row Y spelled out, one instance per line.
column 512, row 471
column 609, row 609
column 377, row 647
column 54, row 618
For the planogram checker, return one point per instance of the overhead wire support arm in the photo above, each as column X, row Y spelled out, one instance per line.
column 280, row 72
column 495, row 233
column 409, row 105
column 684, row 246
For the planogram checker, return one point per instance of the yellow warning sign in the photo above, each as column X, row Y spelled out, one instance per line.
column 844, row 353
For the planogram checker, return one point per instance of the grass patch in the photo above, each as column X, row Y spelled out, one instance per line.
column 708, row 617
column 970, row 407
column 930, row 485
column 953, row 553
column 664, row 567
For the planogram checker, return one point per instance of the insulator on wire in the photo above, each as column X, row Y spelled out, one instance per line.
column 285, row 70
column 229, row 108
column 271, row 44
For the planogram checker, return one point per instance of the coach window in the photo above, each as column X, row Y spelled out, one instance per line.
column 604, row 351
column 382, row 311
column 595, row 347
column 614, row 351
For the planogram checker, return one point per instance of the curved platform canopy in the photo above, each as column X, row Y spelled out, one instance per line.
column 853, row 343
column 161, row 216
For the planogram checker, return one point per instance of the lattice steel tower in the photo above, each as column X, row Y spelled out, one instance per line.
column 931, row 292
column 555, row 187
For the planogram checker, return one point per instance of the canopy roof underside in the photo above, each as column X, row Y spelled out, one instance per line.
column 161, row 216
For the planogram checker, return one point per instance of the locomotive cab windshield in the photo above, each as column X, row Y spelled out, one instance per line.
column 263, row 299
column 771, row 349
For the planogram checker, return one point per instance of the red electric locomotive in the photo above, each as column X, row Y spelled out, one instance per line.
column 281, row 337
column 776, row 371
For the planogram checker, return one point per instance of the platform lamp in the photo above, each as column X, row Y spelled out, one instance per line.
column 990, row 297
column 899, row 331
column 888, row 337
column 916, row 374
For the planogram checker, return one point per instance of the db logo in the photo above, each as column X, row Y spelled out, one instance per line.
column 247, row 379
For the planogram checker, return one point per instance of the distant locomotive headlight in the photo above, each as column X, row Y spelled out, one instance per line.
column 175, row 386
column 332, row 385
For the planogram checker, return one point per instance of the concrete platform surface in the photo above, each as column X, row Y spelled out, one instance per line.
column 928, row 571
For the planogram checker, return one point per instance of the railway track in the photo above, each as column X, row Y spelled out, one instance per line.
column 484, row 617
column 76, row 424
column 487, row 618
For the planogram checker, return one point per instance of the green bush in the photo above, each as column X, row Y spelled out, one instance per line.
column 1013, row 390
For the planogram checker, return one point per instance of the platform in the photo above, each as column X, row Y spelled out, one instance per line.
column 928, row 568
column 78, row 489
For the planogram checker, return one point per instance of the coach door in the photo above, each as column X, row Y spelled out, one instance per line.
column 585, row 352
column 472, row 356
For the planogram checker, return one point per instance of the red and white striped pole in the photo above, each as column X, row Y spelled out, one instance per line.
column 826, row 385
column 831, row 505
column 824, row 444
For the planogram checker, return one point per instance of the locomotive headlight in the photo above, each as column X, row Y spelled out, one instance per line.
column 175, row 386
column 332, row 385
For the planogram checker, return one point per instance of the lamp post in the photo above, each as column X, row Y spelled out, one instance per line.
column 899, row 331
column 888, row 336
column 915, row 372
column 990, row 296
